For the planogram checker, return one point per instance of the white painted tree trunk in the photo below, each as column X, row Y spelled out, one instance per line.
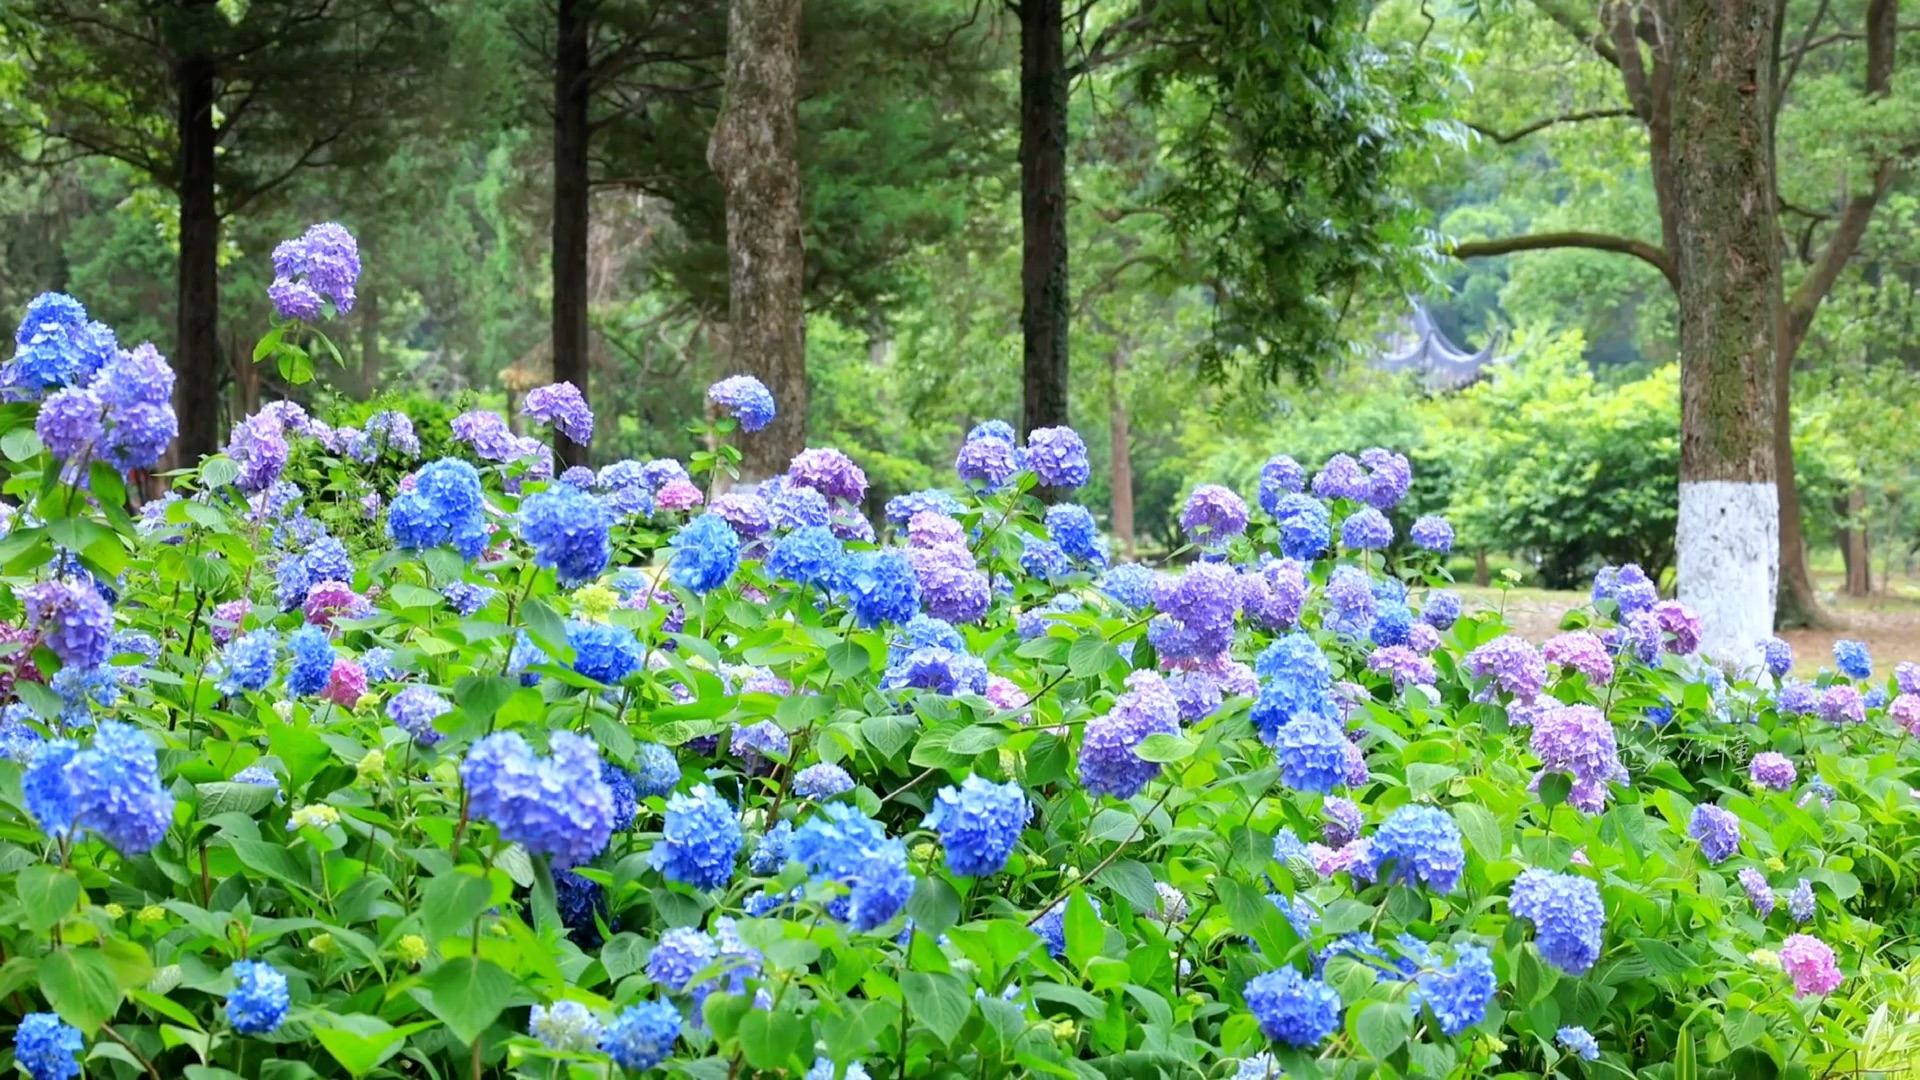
column 1729, row 564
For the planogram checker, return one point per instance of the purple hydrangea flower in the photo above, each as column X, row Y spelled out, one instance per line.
column 1198, row 610
column 323, row 262
column 1772, row 770
column 1759, row 893
column 562, row 405
column 1109, row 764
column 745, row 398
column 72, row 618
column 1213, row 515
column 1841, row 704
column 1716, row 830
column 1578, row 741
column 1341, row 478
column 1366, row 529
column 1350, row 601
column 829, row 472
column 1801, row 903
column 1058, row 457
column 1279, row 476
column 1274, row 595
column 1407, row 667
column 1581, row 651
column 1388, row 478
column 1779, row 657
column 1432, row 533
column 1513, row 663
column 556, row 805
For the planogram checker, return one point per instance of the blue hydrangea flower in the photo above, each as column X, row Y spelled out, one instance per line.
column 1045, row 560
column 979, row 823
column 259, row 1002
column 642, row 1036
column 444, row 508
column 1432, row 533
column 312, row 661
column 656, row 772
column 47, row 1047
column 745, row 398
column 1441, row 610
column 465, row 598
column 1312, row 752
column 1392, row 624
column 807, row 556
column 603, row 651
column 1350, row 602
column 1341, row 478
column 1306, row 526
column 556, row 805
column 1779, row 656
column 1131, row 584
column 823, row 1069
column 1567, row 916
column 1280, row 476
column 414, row 710
column 987, row 462
column 1716, row 830
column 822, row 781
column 1801, row 903
column 73, row 618
column 1296, row 683
column 1419, row 845
column 1071, row 528
column 699, row 840
column 570, row 531
column 18, row 742
column 566, row 1026
column 1853, row 659
column 770, row 853
column 1579, row 1042
column 1109, row 762
column 1052, row 925
column 626, row 801
column 706, row 551
column 844, row 845
column 1261, row 1066
column 901, row 508
column 115, row 788
column 1292, row 1008
column 682, row 953
column 49, row 796
column 879, row 587
column 1366, row 529
column 582, row 905
column 562, row 405
column 1458, row 993
column 1058, row 457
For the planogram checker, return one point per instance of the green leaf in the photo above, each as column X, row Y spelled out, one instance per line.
column 1085, row 936
column 547, row 629
column 1664, row 958
column 468, row 994
column 1480, row 827
column 273, row 860
column 480, row 696
column 1090, row 655
column 219, row 471
column 413, row 596
column 775, row 1040
column 21, row 444
column 1383, row 1027
column 848, row 659
column 977, row 739
column 451, row 902
column 225, row 796
column 623, row 955
column 81, row 987
column 265, row 346
column 1164, row 747
column 934, row 906
column 939, row 1001
column 1134, row 882
column 1254, row 915
column 1554, row 788
column 47, row 895
column 361, row 1043
column 45, row 704
column 888, row 735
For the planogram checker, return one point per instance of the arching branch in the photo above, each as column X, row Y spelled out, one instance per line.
column 1619, row 245
column 1503, row 138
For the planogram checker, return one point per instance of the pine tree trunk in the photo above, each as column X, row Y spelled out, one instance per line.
column 1120, row 430
column 572, row 91
column 1729, row 268
column 196, row 350
column 1043, row 213
column 369, row 307
column 755, row 152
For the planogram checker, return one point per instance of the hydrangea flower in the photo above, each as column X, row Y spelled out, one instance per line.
column 1512, row 662
column 1456, row 993
column 706, row 551
column 259, row 1001
column 565, row 1026
column 1716, row 830
column 312, row 662
column 844, row 845
column 47, row 1047
column 570, row 531
column 322, row 263
column 346, row 683
column 72, row 618
column 562, row 405
column 414, row 710
column 642, row 1035
column 700, row 839
column 1200, row 607
column 1043, row 559
column 1297, row 682
column 1404, row 665
column 1759, row 893
column 1279, row 476
column 1312, row 753
column 1058, row 457
column 56, row 345
column 1578, row 740
column 1071, row 528
column 1567, row 916
column 1419, row 845
column 979, row 823
column 1770, row 769
column 1810, row 963
column 1366, row 529
column 902, row 508
column 821, row 781
column 1274, row 595
column 556, row 805
column 1841, row 704
column 1052, row 925
column 444, row 508
column 1853, row 659
column 1305, row 526
column 1581, row 651
column 656, row 772
column 829, row 472
column 1779, row 656
column 1213, row 515
column 1388, row 477
column 987, row 462
column 1350, row 601
column 745, row 398
column 1293, row 1009
column 1432, row 534
column 1578, row 1042
column 1109, row 764
column 879, row 587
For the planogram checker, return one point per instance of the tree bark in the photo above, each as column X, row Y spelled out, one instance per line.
column 1043, row 213
column 1725, row 247
column 1121, row 431
column 1854, row 548
column 755, row 152
column 369, row 307
column 572, row 94
column 196, row 350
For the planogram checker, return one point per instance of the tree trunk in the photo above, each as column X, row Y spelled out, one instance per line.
column 1043, row 213
column 572, row 92
column 1121, row 432
column 196, row 350
column 369, row 308
column 755, row 152
column 1482, row 573
column 1854, row 548
column 1729, row 268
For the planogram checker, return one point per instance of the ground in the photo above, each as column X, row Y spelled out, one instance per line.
column 1888, row 622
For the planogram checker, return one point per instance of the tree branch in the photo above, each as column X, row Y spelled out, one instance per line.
column 1565, row 17
column 1503, row 138
column 1619, row 245
column 1799, row 53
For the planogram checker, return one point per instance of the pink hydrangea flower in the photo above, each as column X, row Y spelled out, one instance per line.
column 347, row 683
column 677, row 494
column 330, row 600
column 1582, row 652
column 1810, row 962
column 1905, row 711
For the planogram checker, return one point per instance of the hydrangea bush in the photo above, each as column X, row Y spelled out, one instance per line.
column 332, row 761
